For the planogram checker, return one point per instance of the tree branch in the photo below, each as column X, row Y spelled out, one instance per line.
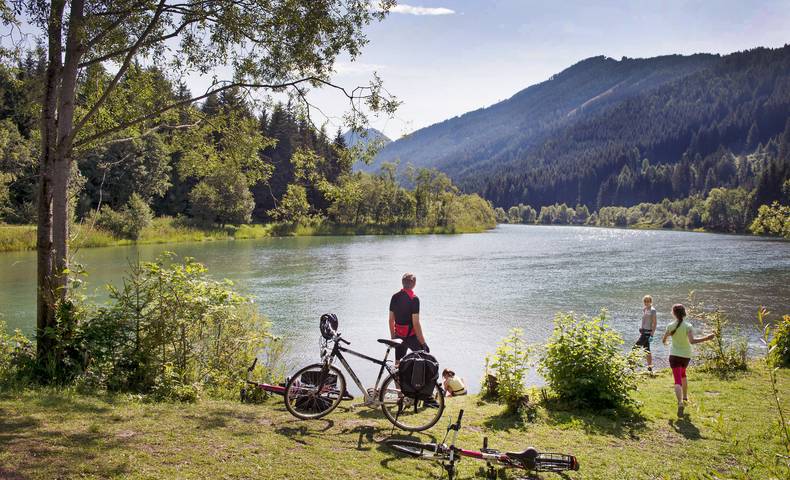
column 125, row 66
column 211, row 91
column 135, row 48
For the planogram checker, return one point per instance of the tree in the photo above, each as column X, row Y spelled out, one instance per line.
column 726, row 210
column 293, row 207
column 223, row 198
column 513, row 215
column 280, row 45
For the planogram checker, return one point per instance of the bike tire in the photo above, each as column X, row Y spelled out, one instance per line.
column 556, row 462
column 314, row 401
column 422, row 418
column 414, row 449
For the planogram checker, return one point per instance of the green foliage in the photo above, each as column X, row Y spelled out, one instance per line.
column 772, row 220
column 779, row 344
column 294, row 207
column 583, row 363
column 727, row 352
column 727, row 210
column 128, row 222
column 222, row 198
column 172, row 332
column 17, row 358
column 510, row 365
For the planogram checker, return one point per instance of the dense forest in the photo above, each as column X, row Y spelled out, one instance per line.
column 228, row 161
column 620, row 133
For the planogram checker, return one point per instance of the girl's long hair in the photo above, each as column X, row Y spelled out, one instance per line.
column 680, row 313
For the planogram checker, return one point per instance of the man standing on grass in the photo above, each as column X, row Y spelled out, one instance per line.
column 404, row 318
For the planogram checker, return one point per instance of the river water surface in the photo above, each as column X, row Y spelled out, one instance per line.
column 473, row 288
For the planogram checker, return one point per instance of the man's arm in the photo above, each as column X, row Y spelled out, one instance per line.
column 392, row 324
column 653, row 325
column 415, row 320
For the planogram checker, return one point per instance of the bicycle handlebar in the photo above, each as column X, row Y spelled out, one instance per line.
column 252, row 367
column 460, row 416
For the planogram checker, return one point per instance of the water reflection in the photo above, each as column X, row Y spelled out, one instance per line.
column 473, row 288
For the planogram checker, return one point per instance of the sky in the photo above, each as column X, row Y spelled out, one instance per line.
column 443, row 58
column 447, row 57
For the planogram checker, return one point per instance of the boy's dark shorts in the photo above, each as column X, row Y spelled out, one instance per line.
column 644, row 340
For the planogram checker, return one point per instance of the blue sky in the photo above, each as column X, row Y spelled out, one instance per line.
column 471, row 54
column 443, row 58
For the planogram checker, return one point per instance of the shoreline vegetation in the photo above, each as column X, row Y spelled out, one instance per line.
column 721, row 211
column 96, row 436
column 166, row 230
column 169, row 230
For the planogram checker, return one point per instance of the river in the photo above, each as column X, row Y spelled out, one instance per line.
column 473, row 288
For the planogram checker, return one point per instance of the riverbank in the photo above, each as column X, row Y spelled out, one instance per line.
column 730, row 431
column 169, row 230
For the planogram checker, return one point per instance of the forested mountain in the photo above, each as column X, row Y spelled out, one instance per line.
column 606, row 132
column 367, row 137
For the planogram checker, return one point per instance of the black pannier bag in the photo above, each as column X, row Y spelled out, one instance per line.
column 417, row 374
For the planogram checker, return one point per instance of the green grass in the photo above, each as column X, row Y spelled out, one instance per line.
column 168, row 230
column 731, row 428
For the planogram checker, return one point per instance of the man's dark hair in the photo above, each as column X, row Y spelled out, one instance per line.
column 408, row 281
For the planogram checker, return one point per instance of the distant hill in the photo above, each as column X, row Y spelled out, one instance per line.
column 570, row 138
column 367, row 137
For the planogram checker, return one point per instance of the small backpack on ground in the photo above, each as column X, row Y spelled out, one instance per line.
column 417, row 375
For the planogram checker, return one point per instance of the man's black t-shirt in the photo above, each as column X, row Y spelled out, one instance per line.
column 403, row 307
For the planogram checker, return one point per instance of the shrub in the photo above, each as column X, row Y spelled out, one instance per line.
column 510, row 364
column 583, row 363
column 127, row 222
column 17, row 357
column 780, row 343
column 174, row 333
column 725, row 354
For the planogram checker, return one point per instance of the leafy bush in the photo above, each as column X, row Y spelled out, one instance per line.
column 127, row 222
column 17, row 357
column 780, row 343
column 725, row 354
column 174, row 333
column 510, row 364
column 583, row 363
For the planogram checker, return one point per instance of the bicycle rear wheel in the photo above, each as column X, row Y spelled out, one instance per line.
column 314, row 391
column 555, row 462
column 407, row 413
column 428, row 451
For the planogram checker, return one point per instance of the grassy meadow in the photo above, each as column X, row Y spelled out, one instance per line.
column 730, row 431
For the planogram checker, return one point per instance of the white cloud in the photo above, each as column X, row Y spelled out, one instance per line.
column 352, row 68
column 412, row 10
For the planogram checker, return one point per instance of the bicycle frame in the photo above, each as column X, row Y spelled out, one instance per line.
column 337, row 352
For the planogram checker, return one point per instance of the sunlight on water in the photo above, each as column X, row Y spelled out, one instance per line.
column 473, row 288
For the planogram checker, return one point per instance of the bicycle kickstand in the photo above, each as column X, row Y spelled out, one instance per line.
column 450, row 468
column 490, row 471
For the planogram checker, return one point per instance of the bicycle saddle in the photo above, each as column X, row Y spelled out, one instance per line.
column 527, row 457
column 391, row 343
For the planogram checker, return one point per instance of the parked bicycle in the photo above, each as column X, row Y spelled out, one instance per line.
column 529, row 459
column 314, row 391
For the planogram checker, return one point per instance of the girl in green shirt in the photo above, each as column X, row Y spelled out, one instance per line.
column 682, row 335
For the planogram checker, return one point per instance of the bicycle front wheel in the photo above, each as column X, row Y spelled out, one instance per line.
column 314, row 391
column 407, row 413
column 429, row 451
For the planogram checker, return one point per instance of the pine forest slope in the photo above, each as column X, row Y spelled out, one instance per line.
column 583, row 136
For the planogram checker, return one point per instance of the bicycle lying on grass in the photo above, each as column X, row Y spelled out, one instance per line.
column 314, row 391
column 530, row 459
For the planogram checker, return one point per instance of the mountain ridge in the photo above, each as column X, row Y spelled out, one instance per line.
column 563, row 139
